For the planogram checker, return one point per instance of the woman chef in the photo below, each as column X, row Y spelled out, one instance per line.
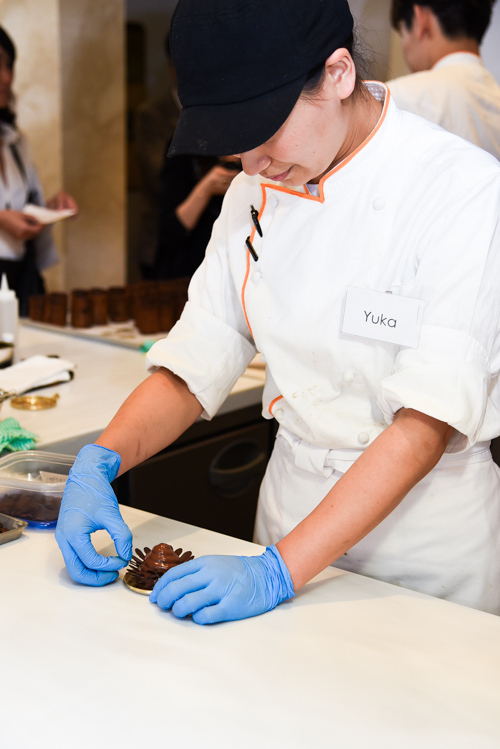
column 359, row 253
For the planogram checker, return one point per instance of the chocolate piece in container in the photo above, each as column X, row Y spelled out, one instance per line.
column 37, row 506
column 149, row 565
column 81, row 310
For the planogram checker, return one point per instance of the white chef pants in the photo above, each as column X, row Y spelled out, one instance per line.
column 443, row 539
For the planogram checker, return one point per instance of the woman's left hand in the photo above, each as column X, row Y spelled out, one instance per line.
column 223, row 588
column 62, row 201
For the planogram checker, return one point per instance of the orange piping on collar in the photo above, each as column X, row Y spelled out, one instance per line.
column 280, row 188
column 321, row 197
column 271, row 405
column 361, row 145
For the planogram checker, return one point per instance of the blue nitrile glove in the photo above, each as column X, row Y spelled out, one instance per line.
column 222, row 588
column 89, row 504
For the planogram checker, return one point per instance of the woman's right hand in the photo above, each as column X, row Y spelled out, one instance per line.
column 89, row 504
column 19, row 225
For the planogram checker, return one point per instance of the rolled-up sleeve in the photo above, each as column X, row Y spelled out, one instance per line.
column 453, row 373
column 206, row 353
column 446, row 378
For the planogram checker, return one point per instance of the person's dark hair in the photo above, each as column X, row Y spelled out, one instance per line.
column 457, row 18
column 6, row 113
column 315, row 79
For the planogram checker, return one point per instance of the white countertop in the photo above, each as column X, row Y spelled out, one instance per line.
column 350, row 662
column 105, row 375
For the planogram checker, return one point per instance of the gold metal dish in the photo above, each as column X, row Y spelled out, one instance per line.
column 34, row 402
column 127, row 582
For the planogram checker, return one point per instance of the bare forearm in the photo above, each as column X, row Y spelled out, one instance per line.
column 191, row 209
column 367, row 493
column 215, row 182
column 152, row 417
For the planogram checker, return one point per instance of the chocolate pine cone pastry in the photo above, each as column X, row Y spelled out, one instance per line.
column 149, row 565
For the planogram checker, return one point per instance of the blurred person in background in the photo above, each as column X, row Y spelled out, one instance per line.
column 26, row 246
column 449, row 84
column 184, row 194
column 192, row 189
column 155, row 123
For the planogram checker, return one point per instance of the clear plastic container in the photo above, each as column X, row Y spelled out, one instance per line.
column 32, row 484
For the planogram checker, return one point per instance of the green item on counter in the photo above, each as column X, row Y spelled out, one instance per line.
column 147, row 345
column 13, row 437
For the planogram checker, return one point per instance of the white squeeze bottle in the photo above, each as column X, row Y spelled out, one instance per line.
column 9, row 319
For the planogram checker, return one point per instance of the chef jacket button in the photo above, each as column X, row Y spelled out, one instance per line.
column 363, row 438
column 272, row 201
column 348, row 377
column 279, row 413
column 378, row 204
column 256, row 277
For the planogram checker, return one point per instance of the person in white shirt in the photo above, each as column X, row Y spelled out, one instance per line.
column 20, row 234
column 449, row 84
column 359, row 253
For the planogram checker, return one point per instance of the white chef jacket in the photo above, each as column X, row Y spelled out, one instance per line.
column 13, row 195
column 457, row 93
column 414, row 211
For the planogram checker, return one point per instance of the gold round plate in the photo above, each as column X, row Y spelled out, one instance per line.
column 34, row 402
column 132, row 587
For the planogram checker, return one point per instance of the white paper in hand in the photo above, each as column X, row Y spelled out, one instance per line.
column 47, row 215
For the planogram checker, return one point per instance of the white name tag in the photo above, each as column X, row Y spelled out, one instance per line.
column 382, row 317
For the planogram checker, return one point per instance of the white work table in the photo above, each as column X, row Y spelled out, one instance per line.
column 105, row 375
column 350, row 662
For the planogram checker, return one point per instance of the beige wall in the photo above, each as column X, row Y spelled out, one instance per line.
column 71, row 103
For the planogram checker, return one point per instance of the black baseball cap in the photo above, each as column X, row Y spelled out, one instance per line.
column 242, row 64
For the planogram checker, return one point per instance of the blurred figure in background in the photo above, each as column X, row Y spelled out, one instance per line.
column 155, row 123
column 182, row 196
column 26, row 246
column 192, row 189
column 449, row 84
